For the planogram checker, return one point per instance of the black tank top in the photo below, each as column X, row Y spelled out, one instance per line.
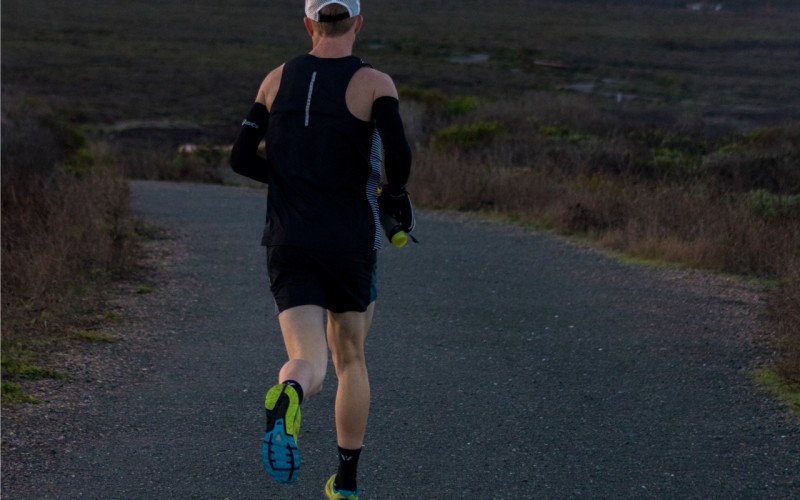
column 324, row 163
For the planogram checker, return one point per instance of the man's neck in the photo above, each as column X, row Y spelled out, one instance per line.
column 331, row 48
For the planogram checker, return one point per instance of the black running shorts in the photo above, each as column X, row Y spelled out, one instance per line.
column 338, row 282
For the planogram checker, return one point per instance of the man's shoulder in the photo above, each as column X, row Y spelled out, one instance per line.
column 276, row 73
column 372, row 74
column 269, row 86
column 378, row 82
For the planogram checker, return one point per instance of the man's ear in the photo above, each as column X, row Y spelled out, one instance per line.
column 359, row 23
column 309, row 26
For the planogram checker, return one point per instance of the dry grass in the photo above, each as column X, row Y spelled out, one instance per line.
column 65, row 223
column 785, row 307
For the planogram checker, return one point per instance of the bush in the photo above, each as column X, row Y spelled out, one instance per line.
column 64, row 219
column 765, row 160
column 438, row 103
column 771, row 206
column 35, row 141
column 431, row 98
column 467, row 137
column 458, row 106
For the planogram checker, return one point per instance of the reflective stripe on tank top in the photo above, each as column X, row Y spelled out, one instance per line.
column 308, row 99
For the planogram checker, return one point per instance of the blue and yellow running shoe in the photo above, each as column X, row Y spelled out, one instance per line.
column 333, row 494
column 281, row 456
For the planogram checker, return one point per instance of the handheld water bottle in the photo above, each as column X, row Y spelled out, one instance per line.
column 393, row 229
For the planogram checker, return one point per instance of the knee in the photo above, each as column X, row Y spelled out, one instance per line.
column 347, row 353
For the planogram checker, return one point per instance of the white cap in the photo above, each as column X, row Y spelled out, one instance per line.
column 314, row 6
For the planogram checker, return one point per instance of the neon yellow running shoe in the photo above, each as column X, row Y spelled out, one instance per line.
column 279, row 450
column 333, row 494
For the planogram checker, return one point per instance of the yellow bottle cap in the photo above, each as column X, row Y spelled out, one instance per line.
column 400, row 239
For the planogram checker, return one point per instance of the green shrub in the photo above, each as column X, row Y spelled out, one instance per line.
column 768, row 205
column 425, row 96
column 560, row 133
column 467, row 137
column 457, row 106
column 773, row 171
column 768, row 159
column 673, row 164
column 438, row 102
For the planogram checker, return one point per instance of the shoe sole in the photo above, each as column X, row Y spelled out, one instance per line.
column 279, row 449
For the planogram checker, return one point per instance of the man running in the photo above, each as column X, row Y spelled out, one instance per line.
column 327, row 117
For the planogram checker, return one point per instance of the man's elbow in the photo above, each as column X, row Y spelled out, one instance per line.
column 238, row 161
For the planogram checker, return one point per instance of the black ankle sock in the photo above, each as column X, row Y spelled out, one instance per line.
column 296, row 387
column 348, row 466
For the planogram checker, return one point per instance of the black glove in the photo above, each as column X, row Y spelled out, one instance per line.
column 398, row 205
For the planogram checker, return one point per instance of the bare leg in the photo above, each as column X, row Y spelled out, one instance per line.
column 303, row 331
column 347, row 333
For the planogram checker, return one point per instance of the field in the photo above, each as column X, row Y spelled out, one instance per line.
column 647, row 127
column 131, row 60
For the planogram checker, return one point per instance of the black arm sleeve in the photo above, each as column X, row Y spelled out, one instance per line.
column 386, row 114
column 244, row 155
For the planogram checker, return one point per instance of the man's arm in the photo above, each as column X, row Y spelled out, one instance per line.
column 397, row 152
column 385, row 113
column 244, row 155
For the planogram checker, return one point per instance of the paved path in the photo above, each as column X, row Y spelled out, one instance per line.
column 505, row 364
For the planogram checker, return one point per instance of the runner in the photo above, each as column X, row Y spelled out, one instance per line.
column 327, row 117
